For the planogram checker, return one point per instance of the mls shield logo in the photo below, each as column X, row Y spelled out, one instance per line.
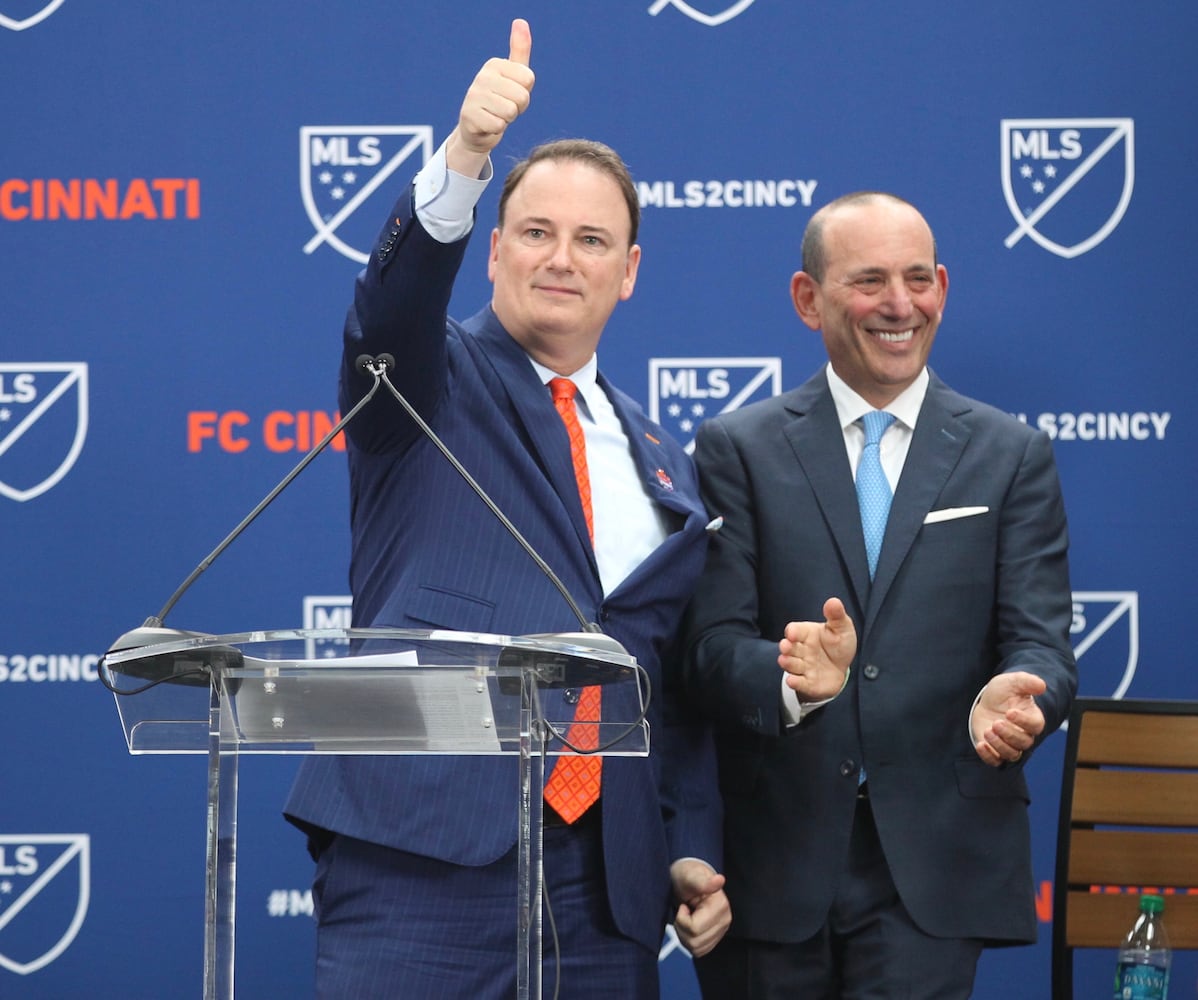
column 711, row 20
column 1106, row 632
column 17, row 16
column 45, row 885
column 334, row 612
column 342, row 167
column 683, row 392
column 671, row 945
column 43, row 423
column 1067, row 181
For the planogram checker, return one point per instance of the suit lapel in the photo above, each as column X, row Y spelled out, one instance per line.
column 539, row 419
column 817, row 440
column 936, row 446
column 665, row 483
column 668, row 486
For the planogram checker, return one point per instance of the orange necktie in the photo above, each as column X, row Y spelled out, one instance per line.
column 573, row 787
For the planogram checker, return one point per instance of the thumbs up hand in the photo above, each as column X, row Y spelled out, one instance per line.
column 499, row 94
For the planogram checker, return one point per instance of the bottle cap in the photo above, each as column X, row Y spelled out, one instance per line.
column 1152, row 904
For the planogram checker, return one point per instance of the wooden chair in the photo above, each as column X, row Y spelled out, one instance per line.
column 1128, row 822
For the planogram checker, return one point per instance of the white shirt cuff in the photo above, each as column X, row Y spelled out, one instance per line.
column 445, row 200
column 969, row 722
column 795, row 711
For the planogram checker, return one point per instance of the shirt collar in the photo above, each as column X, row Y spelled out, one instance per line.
column 585, row 379
column 850, row 407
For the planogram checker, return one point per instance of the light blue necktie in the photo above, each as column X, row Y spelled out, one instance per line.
column 873, row 490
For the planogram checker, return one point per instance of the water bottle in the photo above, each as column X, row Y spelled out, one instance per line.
column 1143, row 969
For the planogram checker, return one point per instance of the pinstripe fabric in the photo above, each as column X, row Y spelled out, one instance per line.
column 426, row 553
column 453, row 944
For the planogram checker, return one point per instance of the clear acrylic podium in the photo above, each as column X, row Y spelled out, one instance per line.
column 367, row 691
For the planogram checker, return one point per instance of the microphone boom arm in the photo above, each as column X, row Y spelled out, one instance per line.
column 386, row 361
column 373, row 366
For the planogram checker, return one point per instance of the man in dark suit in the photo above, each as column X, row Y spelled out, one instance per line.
column 876, row 832
column 416, row 876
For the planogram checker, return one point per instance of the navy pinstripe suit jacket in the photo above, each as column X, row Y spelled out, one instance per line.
column 426, row 553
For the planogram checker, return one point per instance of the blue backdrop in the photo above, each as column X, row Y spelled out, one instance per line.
column 186, row 192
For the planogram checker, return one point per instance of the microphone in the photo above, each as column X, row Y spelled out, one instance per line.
column 184, row 667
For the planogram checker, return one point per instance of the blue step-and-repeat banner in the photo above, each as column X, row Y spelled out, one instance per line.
column 186, row 194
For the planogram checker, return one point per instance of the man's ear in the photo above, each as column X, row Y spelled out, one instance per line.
column 494, row 254
column 807, row 297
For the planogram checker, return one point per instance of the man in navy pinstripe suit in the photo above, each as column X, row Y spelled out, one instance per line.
column 416, row 875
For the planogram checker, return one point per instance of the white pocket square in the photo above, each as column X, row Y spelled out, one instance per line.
column 952, row 513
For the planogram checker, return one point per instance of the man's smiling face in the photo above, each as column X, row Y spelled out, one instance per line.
column 881, row 297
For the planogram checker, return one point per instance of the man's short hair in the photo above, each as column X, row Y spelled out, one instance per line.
column 595, row 154
column 814, row 258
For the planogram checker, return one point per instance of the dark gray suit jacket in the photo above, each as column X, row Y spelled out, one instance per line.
column 956, row 600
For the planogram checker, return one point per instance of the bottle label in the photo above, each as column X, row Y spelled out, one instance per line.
column 1140, row 982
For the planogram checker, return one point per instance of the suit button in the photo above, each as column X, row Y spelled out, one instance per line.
column 848, row 767
column 571, row 696
column 388, row 244
column 871, row 672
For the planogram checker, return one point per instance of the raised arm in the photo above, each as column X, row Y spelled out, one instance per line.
column 499, row 94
